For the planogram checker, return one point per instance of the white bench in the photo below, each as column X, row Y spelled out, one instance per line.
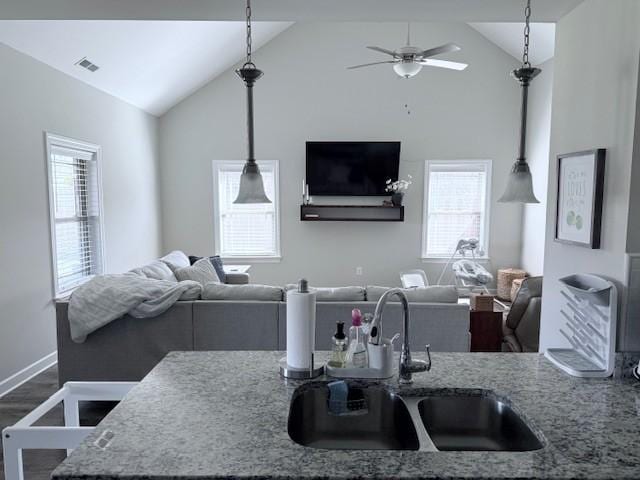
column 23, row 435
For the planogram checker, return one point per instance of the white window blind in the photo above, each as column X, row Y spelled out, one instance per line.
column 249, row 230
column 456, row 205
column 76, row 223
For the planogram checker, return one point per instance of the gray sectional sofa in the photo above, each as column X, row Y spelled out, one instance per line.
column 128, row 348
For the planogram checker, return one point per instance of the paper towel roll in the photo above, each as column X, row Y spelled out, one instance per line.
column 301, row 328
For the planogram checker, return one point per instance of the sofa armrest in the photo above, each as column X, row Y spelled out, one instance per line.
column 236, row 278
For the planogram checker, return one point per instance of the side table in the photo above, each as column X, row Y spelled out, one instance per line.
column 486, row 331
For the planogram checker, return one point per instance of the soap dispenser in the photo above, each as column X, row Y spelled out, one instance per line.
column 357, row 354
column 339, row 348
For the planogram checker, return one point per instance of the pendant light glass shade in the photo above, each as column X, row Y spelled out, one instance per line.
column 251, row 186
column 519, row 185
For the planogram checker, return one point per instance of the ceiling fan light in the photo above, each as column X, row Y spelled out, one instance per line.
column 251, row 185
column 407, row 69
column 519, row 185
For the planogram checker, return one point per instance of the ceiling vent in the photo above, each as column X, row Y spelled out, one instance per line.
column 84, row 63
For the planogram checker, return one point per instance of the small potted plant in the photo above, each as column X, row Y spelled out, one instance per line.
column 397, row 189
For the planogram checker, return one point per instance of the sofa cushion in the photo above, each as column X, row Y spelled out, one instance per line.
column 156, row 270
column 236, row 278
column 216, row 261
column 202, row 272
column 434, row 294
column 374, row 292
column 219, row 291
column 175, row 260
column 337, row 294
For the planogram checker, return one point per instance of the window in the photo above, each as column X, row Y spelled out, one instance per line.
column 76, row 212
column 250, row 231
column 456, row 205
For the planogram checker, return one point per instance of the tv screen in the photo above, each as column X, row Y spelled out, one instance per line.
column 351, row 168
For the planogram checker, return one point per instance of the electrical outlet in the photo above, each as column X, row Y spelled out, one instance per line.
column 358, row 270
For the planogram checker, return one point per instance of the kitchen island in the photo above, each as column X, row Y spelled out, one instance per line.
column 224, row 415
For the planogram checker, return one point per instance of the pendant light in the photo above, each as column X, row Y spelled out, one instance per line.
column 520, row 184
column 251, row 185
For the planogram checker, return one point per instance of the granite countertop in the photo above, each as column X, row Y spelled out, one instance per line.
column 224, row 415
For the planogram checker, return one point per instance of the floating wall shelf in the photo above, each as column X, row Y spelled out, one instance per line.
column 351, row 213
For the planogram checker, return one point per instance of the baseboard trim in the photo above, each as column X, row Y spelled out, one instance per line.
column 26, row 374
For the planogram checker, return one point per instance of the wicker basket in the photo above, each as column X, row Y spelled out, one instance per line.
column 506, row 276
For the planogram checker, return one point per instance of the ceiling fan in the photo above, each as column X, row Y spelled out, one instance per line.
column 408, row 60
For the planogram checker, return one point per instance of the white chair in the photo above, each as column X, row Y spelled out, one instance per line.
column 23, row 435
column 414, row 279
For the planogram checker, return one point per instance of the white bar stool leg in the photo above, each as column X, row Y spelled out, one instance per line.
column 71, row 414
column 12, row 457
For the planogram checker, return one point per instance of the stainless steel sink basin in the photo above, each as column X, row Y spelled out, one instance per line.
column 376, row 418
column 475, row 422
column 372, row 419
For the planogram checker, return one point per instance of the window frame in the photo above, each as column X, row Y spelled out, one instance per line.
column 53, row 141
column 485, row 224
column 276, row 256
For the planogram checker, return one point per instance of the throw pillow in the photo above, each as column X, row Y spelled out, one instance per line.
column 216, row 261
column 220, row 291
column 176, row 260
column 202, row 272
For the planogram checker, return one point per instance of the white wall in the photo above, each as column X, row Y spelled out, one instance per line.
column 36, row 98
column 538, row 135
column 594, row 105
column 633, row 231
column 307, row 94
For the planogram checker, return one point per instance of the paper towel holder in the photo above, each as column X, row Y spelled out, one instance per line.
column 288, row 371
column 314, row 370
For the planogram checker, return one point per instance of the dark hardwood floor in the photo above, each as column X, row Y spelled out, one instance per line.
column 38, row 464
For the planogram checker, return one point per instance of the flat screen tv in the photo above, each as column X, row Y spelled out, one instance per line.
column 351, row 168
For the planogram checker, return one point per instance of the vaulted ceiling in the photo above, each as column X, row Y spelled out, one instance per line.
column 154, row 63
column 509, row 37
column 150, row 64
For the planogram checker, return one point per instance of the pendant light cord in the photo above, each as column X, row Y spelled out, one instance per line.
column 527, row 30
column 249, row 63
column 524, row 81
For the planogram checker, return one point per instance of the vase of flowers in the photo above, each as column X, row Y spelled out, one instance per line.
column 397, row 189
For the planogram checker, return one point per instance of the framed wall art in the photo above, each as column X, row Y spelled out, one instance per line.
column 579, row 202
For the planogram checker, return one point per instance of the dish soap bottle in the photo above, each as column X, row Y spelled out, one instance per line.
column 367, row 319
column 339, row 350
column 357, row 354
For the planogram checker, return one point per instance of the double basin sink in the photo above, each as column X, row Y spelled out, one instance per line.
column 375, row 417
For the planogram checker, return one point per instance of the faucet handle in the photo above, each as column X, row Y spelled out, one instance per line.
column 428, row 349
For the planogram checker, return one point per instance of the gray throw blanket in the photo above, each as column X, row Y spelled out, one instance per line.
column 107, row 297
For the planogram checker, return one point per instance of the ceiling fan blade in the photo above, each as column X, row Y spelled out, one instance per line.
column 383, row 50
column 446, row 48
column 369, row 64
column 443, row 64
